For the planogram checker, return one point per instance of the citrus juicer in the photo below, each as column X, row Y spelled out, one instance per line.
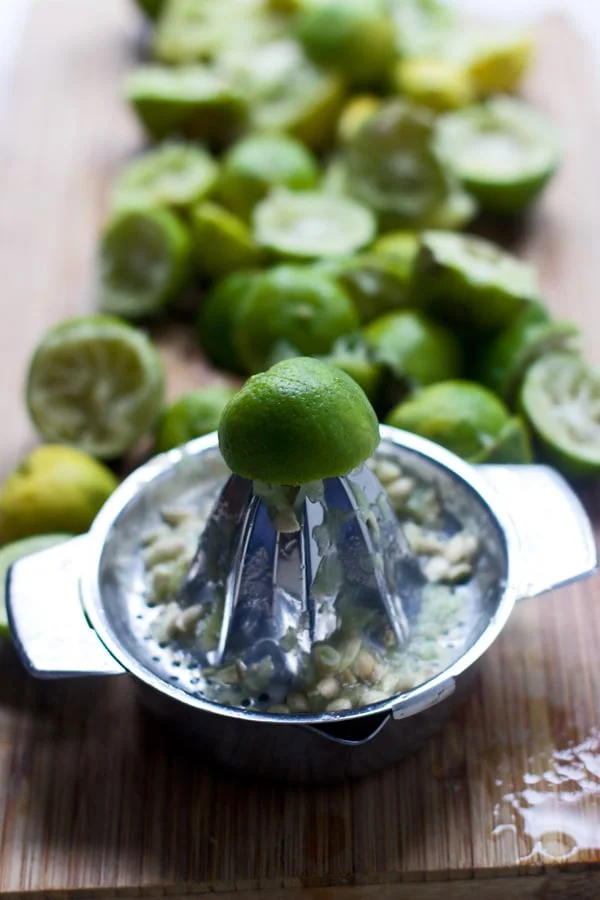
column 287, row 568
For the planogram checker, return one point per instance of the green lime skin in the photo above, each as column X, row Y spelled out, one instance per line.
column 460, row 415
column 502, row 151
column 222, row 242
column 471, row 283
column 503, row 362
column 512, row 447
column 259, row 162
column 303, row 420
column 14, row 551
column 401, row 246
column 189, row 101
column 376, row 284
column 393, row 166
column 218, row 317
column 559, row 399
column 293, row 305
column 192, row 415
column 356, row 38
column 414, row 348
column 145, row 262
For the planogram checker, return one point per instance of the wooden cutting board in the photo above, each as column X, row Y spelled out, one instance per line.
column 97, row 799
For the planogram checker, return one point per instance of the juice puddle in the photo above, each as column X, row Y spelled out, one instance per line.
column 556, row 814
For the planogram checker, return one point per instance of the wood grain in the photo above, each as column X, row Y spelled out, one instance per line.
column 96, row 798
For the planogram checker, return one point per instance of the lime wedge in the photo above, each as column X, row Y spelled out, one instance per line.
column 502, row 151
column 218, row 317
column 513, row 446
column 189, row 100
column 10, row 553
column 470, row 282
column 312, row 224
column 97, row 383
column 173, row 175
column 222, row 242
column 560, row 398
column 195, row 30
column 394, row 168
column 144, row 262
column 287, row 93
column 259, row 162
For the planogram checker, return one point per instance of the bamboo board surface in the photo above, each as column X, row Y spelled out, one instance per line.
column 94, row 796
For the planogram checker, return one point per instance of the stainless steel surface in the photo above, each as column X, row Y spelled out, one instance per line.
column 556, row 536
column 50, row 632
column 278, row 590
column 513, row 562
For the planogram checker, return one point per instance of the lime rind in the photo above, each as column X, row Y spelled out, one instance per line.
column 218, row 317
column 96, row 383
column 470, row 282
column 192, row 415
column 502, row 151
column 377, row 284
column 312, row 224
column 512, row 447
column 195, row 101
column 174, row 174
column 560, row 398
column 145, row 262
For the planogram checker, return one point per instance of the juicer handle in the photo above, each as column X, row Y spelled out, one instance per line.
column 557, row 542
column 47, row 622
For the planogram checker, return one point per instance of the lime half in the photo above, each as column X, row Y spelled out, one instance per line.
column 259, row 162
column 394, row 168
column 292, row 305
column 470, row 282
column 376, row 284
column 222, row 241
column 194, row 101
column 502, row 151
column 174, row 175
column 96, row 383
column 218, row 317
column 144, row 262
column 414, row 348
column 311, row 225
column 303, row 420
column 561, row 399
column 10, row 553
column 460, row 415
column 439, row 84
column 192, row 415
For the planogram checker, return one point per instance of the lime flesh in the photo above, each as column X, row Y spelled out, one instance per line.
column 560, row 398
column 96, row 383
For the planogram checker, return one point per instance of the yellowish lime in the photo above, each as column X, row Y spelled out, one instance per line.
column 54, row 489
column 439, row 84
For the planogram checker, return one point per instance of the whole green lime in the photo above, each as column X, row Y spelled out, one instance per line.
column 356, row 38
column 259, row 162
column 292, row 305
column 192, row 415
column 303, row 420
column 414, row 348
column 218, row 315
column 460, row 415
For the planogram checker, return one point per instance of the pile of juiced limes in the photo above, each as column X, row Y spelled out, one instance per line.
column 313, row 165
